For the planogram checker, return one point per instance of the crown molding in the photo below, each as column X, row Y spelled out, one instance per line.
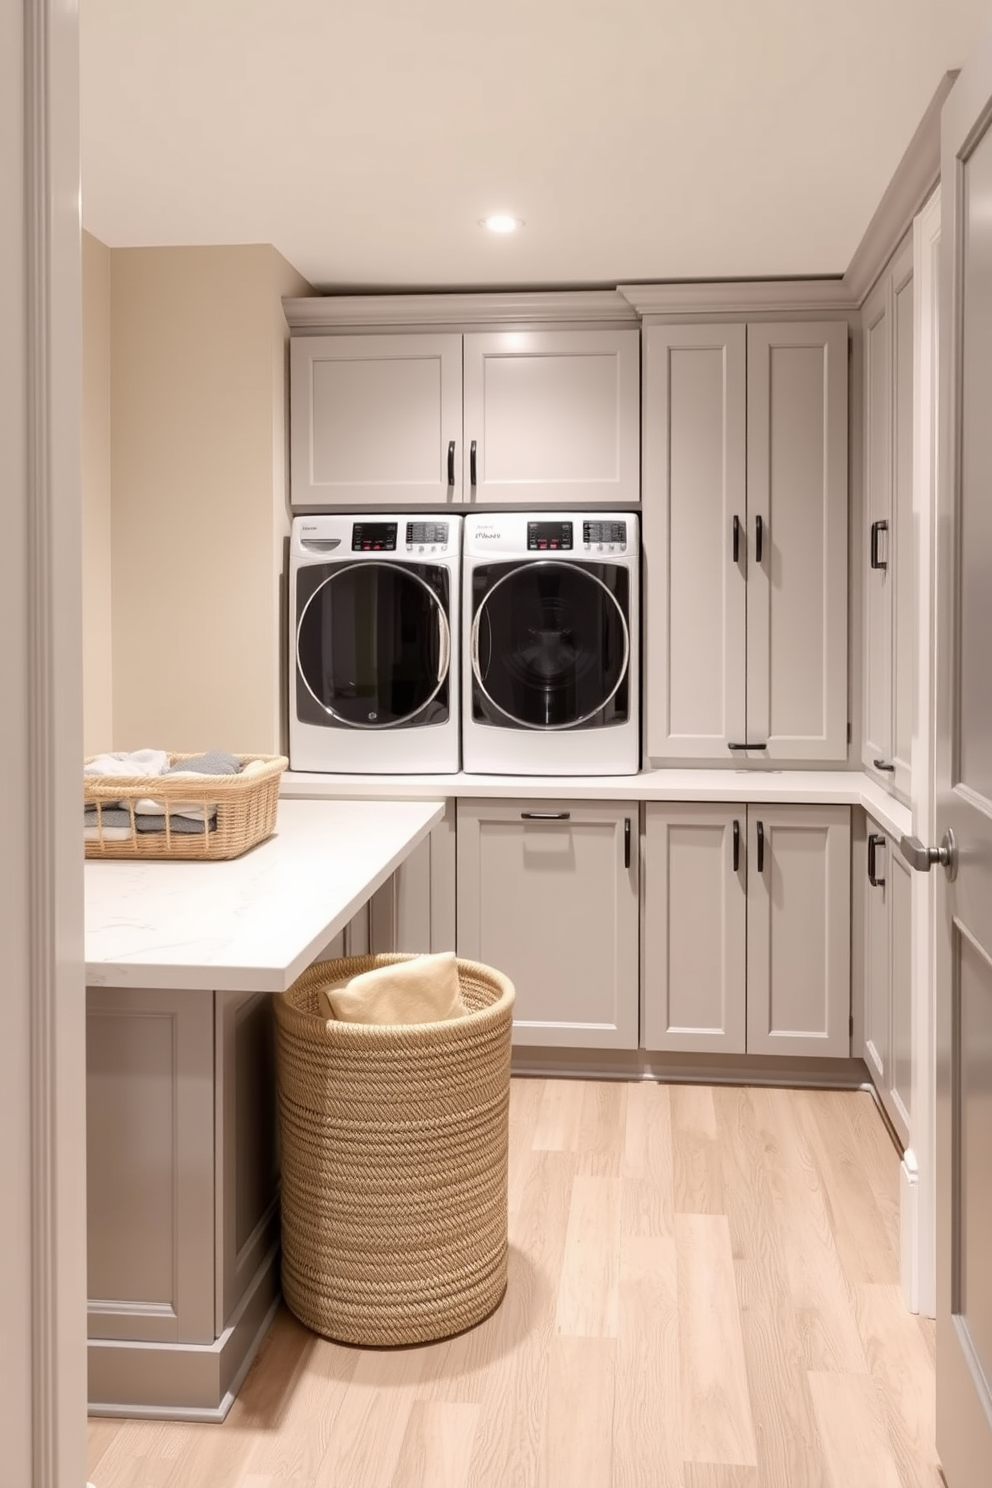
column 356, row 312
column 915, row 177
column 739, row 297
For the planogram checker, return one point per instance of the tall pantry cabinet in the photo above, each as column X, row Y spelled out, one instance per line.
column 745, row 541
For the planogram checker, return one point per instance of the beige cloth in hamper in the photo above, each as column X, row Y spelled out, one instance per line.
column 423, row 990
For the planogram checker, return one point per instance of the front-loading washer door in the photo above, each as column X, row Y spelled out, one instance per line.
column 550, row 645
column 373, row 645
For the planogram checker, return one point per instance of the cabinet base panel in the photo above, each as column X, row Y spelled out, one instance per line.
column 184, row 1381
column 699, row 1069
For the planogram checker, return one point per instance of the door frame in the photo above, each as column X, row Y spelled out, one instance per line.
column 42, row 1062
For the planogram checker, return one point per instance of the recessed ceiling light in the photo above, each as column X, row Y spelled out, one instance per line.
column 500, row 222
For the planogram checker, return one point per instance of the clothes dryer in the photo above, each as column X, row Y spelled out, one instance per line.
column 374, row 643
column 551, row 660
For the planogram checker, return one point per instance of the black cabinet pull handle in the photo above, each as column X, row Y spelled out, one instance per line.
column 471, row 464
column 626, row 842
column 761, row 847
column 874, row 842
column 883, row 765
column 737, row 846
column 451, row 462
column 737, row 539
column 759, row 534
column 545, row 815
column 876, row 528
column 747, row 746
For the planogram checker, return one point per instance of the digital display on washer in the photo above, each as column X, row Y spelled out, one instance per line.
column 427, row 532
column 373, row 537
column 549, row 536
column 604, row 532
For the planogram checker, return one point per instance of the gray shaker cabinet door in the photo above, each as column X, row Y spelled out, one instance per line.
column 797, row 517
column 798, row 930
column 887, row 539
column 373, row 419
column 694, row 493
column 877, row 535
column 548, row 894
column 554, row 417
column 694, row 928
column 150, row 1164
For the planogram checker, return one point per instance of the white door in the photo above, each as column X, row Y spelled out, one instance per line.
column 552, row 417
column 375, row 421
column 964, row 787
column 694, row 526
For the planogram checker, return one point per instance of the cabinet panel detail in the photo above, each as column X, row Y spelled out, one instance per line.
column 150, row 1175
column 694, row 928
column 797, row 589
column 551, row 900
column 554, row 417
column 695, row 594
column 798, row 930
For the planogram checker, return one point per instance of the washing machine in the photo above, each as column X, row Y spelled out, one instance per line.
column 550, row 654
column 374, row 643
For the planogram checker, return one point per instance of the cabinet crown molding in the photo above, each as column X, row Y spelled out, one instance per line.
column 322, row 313
column 744, row 297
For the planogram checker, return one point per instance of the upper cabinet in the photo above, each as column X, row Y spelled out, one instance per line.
column 745, row 541
column 499, row 418
column 375, row 420
column 889, row 657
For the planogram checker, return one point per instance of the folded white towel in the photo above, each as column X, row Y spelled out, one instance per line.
column 109, row 834
column 138, row 762
column 422, row 990
column 192, row 810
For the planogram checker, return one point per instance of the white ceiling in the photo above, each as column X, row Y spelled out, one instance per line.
column 639, row 139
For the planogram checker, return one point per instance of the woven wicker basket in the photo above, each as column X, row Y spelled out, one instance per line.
column 245, row 810
column 394, row 1162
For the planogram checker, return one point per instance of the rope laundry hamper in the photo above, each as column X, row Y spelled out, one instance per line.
column 394, row 1161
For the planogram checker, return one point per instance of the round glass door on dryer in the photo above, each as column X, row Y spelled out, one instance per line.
column 374, row 668
column 551, row 644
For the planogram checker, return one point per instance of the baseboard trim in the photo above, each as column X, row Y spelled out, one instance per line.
column 728, row 1069
column 185, row 1381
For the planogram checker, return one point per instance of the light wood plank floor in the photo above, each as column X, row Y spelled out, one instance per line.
column 704, row 1293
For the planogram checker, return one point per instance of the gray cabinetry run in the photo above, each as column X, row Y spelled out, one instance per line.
column 746, row 929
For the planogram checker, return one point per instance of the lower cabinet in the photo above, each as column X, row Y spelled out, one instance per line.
column 888, row 1036
column 746, row 929
column 547, row 892
column 182, row 1194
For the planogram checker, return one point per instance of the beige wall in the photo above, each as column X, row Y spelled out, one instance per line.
column 97, row 640
column 199, row 495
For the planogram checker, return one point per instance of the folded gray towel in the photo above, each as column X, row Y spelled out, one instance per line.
column 214, row 762
column 117, row 816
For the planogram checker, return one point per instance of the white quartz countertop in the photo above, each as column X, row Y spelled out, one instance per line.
column 790, row 787
column 254, row 923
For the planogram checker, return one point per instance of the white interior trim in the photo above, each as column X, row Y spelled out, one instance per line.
column 42, row 1069
column 926, row 250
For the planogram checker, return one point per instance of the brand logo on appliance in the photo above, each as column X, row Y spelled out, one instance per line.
column 488, row 533
column 308, row 527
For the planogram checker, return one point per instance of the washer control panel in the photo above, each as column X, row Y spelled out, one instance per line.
column 427, row 537
column 604, row 537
